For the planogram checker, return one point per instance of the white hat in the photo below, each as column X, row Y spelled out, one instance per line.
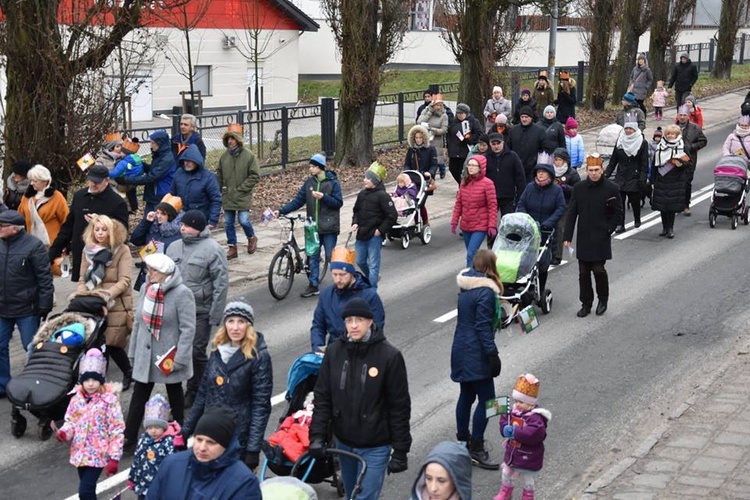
column 497, row 89
column 160, row 262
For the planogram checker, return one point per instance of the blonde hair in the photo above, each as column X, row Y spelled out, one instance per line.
column 672, row 128
column 116, row 232
column 247, row 346
column 403, row 178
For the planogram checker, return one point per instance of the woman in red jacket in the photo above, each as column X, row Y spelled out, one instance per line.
column 476, row 207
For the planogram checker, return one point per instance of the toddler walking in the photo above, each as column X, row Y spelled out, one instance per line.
column 93, row 425
column 659, row 97
column 525, row 430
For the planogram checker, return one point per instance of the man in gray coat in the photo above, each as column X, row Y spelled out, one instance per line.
column 203, row 266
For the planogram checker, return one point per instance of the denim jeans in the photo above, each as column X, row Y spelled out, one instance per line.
column 244, row 218
column 368, row 259
column 328, row 242
column 483, row 390
column 473, row 240
column 87, row 477
column 27, row 326
column 376, row 458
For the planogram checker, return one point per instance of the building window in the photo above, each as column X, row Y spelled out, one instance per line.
column 425, row 15
column 202, row 79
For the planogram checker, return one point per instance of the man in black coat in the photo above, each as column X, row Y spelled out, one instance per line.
column 362, row 396
column 504, row 168
column 596, row 205
column 695, row 140
column 463, row 131
column 26, row 289
column 684, row 76
column 526, row 139
column 98, row 198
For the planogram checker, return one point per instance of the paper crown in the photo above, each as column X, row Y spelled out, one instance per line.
column 526, row 389
column 113, row 137
column 130, row 146
column 544, row 158
column 378, row 169
column 234, row 127
column 564, row 75
column 156, row 412
column 594, row 159
column 174, row 201
column 93, row 362
column 343, row 258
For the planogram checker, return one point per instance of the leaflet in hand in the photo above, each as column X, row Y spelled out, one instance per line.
column 266, row 216
column 85, row 161
column 527, row 318
column 165, row 362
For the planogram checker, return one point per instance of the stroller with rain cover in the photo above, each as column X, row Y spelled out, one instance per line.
column 43, row 387
column 730, row 191
column 300, row 381
column 519, row 248
column 410, row 222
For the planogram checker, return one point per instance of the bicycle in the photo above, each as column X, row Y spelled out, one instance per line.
column 288, row 261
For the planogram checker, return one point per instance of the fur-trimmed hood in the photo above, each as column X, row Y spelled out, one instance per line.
column 544, row 413
column 413, row 132
column 106, row 295
column 469, row 279
column 52, row 325
column 31, row 192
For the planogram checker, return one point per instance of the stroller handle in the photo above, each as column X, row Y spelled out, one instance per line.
column 343, row 453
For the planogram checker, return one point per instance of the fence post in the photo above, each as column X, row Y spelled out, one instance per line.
column 711, row 47
column 400, row 117
column 700, row 57
column 176, row 115
column 284, row 136
column 327, row 127
column 515, row 86
column 742, row 49
column 580, row 86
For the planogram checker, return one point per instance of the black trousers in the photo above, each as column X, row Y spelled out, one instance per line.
column 667, row 220
column 642, row 106
column 120, row 357
column 200, row 358
column 456, row 165
column 688, row 187
column 635, row 202
column 679, row 97
column 586, row 293
column 141, row 393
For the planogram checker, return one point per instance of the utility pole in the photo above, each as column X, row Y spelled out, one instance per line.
column 552, row 44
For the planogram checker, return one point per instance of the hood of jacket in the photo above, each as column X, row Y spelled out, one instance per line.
column 192, row 240
column 331, row 175
column 544, row 413
column 454, row 457
column 470, row 279
column 547, row 168
column 161, row 138
column 64, row 319
column 205, row 470
column 413, row 132
column 193, row 154
column 687, row 57
column 359, row 283
column 482, row 165
column 172, row 281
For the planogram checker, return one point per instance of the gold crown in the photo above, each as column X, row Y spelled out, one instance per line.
column 564, row 75
column 234, row 127
column 594, row 159
column 113, row 136
column 343, row 254
column 525, row 387
column 173, row 200
column 130, row 146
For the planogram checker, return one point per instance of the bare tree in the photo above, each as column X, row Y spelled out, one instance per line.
column 598, row 45
column 728, row 26
column 633, row 23
column 666, row 19
column 368, row 33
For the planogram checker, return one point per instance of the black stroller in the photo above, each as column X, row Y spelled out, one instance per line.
column 44, row 386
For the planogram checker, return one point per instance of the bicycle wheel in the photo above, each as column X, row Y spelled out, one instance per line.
column 281, row 274
column 323, row 268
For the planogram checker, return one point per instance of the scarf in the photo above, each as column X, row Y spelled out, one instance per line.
column 542, row 184
column 571, row 132
column 667, row 153
column 742, row 132
column 631, row 144
column 235, row 150
column 226, row 351
column 99, row 258
column 560, row 171
column 38, row 228
column 153, row 308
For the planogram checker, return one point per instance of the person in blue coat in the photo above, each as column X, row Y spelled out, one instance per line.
column 347, row 284
column 197, row 187
column 474, row 356
column 212, row 469
column 238, row 376
column 156, row 177
column 544, row 201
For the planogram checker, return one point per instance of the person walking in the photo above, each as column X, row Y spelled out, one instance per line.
column 435, row 115
column 573, row 144
column 669, row 174
column 374, row 215
column 16, row 183
column 554, row 132
column 497, row 105
column 422, row 156
column 684, row 75
column 204, row 270
column 343, row 403
column 475, row 360
column 629, row 162
column 26, row 289
column 238, row 376
column 641, row 81
column 445, row 474
column 44, row 207
column 237, row 174
column 566, row 98
column 566, row 176
column 157, row 177
column 463, row 131
column 526, row 140
column 738, row 140
column 475, row 207
column 596, row 205
column 321, row 196
column 197, row 187
column 188, row 136
column 630, row 112
column 505, row 170
column 543, row 94
column 694, row 140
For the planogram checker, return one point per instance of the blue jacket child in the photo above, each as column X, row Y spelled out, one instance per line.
column 131, row 165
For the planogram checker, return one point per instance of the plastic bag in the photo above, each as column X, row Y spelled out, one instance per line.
column 312, row 238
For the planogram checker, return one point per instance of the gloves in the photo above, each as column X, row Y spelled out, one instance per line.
column 252, row 459
column 43, row 313
column 398, row 463
column 509, row 431
column 317, row 449
column 112, row 467
column 492, row 232
column 546, row 228
column 61, row 436
column 453, row 228
column 131, row 485
column 495, row 365
column 179, row 441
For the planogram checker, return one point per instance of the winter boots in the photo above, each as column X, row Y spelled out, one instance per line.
column 527, row 494
column 505, row 493
column 252, row 244
column 480, row 456
column 232, row 252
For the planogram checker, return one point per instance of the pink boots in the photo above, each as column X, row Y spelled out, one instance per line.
column 505, row 493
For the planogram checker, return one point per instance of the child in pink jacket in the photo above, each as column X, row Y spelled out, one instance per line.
column 659, row 97
column 93, row 424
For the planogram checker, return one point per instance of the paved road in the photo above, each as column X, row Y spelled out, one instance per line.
column 674, row 314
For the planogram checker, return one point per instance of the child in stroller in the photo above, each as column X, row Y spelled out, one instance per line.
column 51, row 370
column 412, row 220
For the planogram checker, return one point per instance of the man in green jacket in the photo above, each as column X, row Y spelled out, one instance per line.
column 238, row 174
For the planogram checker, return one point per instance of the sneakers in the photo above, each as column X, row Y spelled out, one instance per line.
column 232, row 252
column 310, row 291
column 252, row 245
column 480, row 456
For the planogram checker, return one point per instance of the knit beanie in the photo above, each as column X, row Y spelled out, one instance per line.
column 358, row 308
column 526, row 110
column 571, row 123
column 485, row 139
column 501, row 119
column 526, row 91
column 463, row 108
column 526, row 389
column 92, row 365
column 195, row 219
column 241, row 309
column 157, row 412
column 629, row 97
column 497, row 89
column 318, row 160
column 549, row 107
column 21, row 167
column 218, row 424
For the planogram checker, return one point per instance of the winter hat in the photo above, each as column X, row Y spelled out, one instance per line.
column 72, row 335
column 170, row 205
column 641, row 55
column 543, row 75
column 497, row 89
column 485, row 139
column 685, row 55
column 692, row 99
column 92, row 365
column 195, row 219
column 156, row 413
column 526, row 91
column 496, row 137
column 218, row 424
column 131, row 146
column 658, row 133
column 629, row 124
column 629, row 97
column 239, row 308
column 343, row 258
column 233, row 130
column 571, row 123
column 683, row 110
column 561, row 153
column 21, row 167
column 13, row 218
column 501, row 119
column 660, row 84
column 376, row 173
column 526, row 389
column 357, row 307
column 160, row 262
column 463, row 108
column 111, row 140
column 744, row 120
column 318, row 160
column 549, row 107
column 526, row 110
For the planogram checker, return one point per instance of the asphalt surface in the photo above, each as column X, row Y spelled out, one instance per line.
column 676, row 309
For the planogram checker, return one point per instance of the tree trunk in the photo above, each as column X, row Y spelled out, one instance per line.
column 354, row 135
column 728, row 26
column 477, row 59
column 600, row 47
column 660, row 39
column 630, row 33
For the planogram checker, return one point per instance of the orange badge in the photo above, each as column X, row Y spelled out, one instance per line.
column 219, row 380
column 168, row 364
column 39, row 345
column 373, row 372
column 63, row 349
column 151, row 455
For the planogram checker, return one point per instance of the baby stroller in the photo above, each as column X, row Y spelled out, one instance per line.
column 607, row 140
column 519, row 248
column 410, row 223
column 301, row 380
column 730, row 188
column 51, row 372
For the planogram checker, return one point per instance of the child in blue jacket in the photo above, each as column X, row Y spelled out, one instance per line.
column 130, row 166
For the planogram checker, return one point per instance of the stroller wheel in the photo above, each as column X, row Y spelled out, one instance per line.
column 405, row 240
column 546, row 303
column 735, row 221
column 17, row 424
column 745, row 218
column 425, row 235
column 45, row 429
column 712, row 219
column 338, row 483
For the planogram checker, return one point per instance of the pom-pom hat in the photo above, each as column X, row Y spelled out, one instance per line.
column 526, row 389
column 92, row 365
column 156, row 413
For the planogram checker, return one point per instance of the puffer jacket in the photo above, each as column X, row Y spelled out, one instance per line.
column 149, row 454
column 455, row 458
column 203, row 265
column 526, row 450
column 166, row 233
column 362, row 394
column 545, row 204
column 27, row 288
column 237, row 176
column 245, row 386
column 373, row 210
column 198, row 189
column 327, row 321
column 157, row 177
column 182, row 476
column 474, row 337
column 736, row 145
column 422, row 158
column 631, row 170
column 326, row 210
column 576, row 150
column 476, row 202
column 95, row 426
